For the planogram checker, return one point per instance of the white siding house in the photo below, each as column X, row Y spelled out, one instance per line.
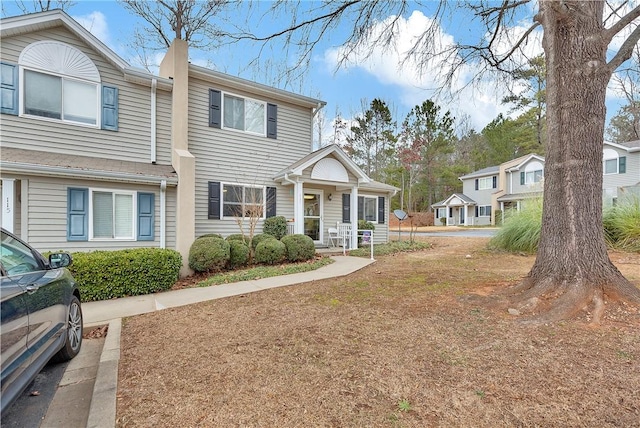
column 96, row 154
column 506, row 186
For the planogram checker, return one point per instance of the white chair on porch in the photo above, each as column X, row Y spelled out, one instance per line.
column 333, row 237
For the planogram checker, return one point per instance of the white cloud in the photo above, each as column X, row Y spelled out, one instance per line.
column 418, row 82
column 96, row 24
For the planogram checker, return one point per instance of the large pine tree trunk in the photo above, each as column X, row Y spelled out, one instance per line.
column 572, row 269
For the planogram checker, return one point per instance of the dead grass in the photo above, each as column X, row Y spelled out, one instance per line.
column 395, row 344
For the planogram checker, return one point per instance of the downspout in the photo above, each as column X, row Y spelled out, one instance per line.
column 297, row 206
column 154, row 86
column 163, row 213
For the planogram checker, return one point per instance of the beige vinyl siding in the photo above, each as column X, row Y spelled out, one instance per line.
column 132, row 140
column 231, row 156
column 47, row 208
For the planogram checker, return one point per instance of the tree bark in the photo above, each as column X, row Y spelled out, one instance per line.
column 572, row 266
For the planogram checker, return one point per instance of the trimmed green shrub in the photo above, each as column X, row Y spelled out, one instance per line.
column 209, row 254
column 259, row 238
column 210, row 235
column 299, row 247
column 103, row 275
column 365, row 225
column 237, row 237
column 238, row 253
column 270, row 252
column 276, row 226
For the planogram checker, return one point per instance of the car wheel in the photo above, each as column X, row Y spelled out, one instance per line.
column 73, row 337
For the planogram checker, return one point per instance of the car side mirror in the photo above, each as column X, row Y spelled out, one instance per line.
column 59, row 260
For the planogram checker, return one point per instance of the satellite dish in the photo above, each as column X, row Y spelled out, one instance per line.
column 400, row 214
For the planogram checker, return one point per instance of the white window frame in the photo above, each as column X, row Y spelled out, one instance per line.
column 482, row 210
column 134, row 216
column 609, row 155
column 245, row 99
column 375, row 198
column 442, row 212
column 243, row 203
column 62, row 77
column 485, row 183
column 530, row 176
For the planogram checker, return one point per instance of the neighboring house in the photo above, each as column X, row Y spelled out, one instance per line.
column 621, row 171
column 507, row 185
column 490, row 189
column 98, row 155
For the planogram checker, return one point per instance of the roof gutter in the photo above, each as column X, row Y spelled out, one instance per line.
column 31, row 169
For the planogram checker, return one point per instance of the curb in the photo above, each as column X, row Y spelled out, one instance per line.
column 102, row 413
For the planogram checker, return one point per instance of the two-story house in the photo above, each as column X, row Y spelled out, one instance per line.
column 95, row 154
column 490, row 189
column 505, row 186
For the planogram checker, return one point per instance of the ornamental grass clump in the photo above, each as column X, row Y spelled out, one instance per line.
column 209, row 254
column 299, row 247
column 521, row 229
column 270, row 252
column 622, row 224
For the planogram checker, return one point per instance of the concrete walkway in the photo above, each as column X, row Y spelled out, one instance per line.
column 102, row 412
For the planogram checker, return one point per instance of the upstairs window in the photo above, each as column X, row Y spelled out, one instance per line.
column 485, row 183
column 244, row 114
column 57, row 97
column 612, row 163
column 533, row 173
column 58, row 82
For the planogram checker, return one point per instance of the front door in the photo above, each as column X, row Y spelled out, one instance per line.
column 462, row 212
column 313, row 215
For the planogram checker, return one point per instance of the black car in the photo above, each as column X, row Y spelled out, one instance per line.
column 41, row 314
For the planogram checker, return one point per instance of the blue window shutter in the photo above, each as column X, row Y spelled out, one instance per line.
column 77, row 214
column 381, row 210
column 214, row 200
column 215, row 109
column 272, row 121
column 495, row 182
column 477, row 211
column 346, row 208
column 271, row 202
column 622, row 164
column 146, row 216
column 110, row 108
column 522, row 178
column 477, row 184
column 9, row 89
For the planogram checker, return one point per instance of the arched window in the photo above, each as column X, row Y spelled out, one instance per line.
column 534, row 172
column 59, row 82
column 610, row 161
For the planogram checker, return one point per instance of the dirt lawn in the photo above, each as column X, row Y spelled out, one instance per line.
column 397, row 344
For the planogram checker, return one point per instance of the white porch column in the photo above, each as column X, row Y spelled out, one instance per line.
column 354, row 217
column 298, row 208
column 8, row 203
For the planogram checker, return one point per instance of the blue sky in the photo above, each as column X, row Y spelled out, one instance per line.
column 372, row 74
